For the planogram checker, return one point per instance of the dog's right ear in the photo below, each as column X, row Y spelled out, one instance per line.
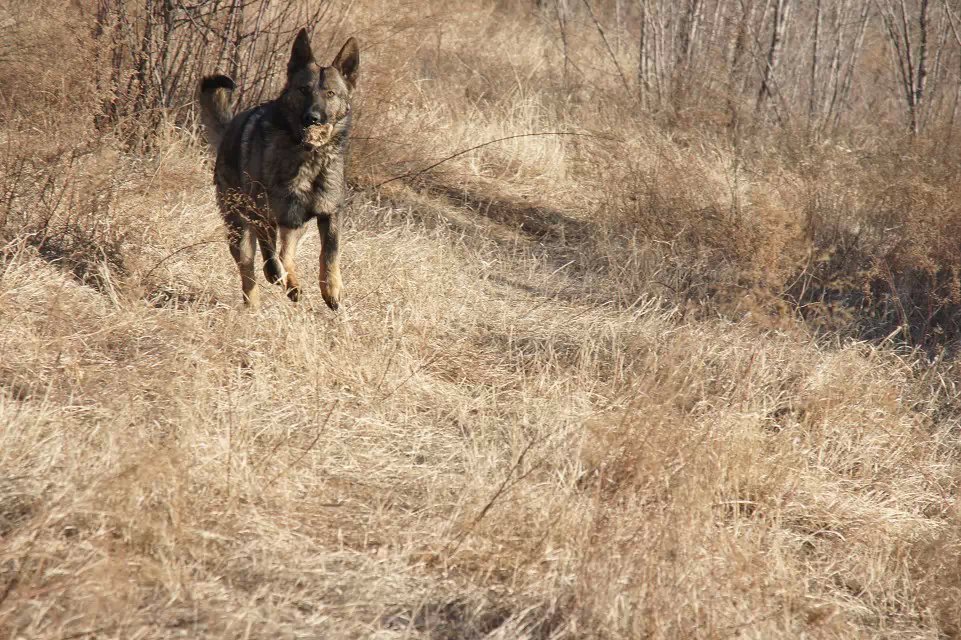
column 300, row 55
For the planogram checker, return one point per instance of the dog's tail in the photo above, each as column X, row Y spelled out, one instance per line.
column 216, row 110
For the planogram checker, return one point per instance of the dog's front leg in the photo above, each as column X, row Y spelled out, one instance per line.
column 330, row 283
column 289, row 239
column 290, row 215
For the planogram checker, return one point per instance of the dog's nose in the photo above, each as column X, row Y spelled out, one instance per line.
column 311, row 119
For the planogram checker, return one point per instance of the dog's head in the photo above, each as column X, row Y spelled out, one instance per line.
column 316, row 99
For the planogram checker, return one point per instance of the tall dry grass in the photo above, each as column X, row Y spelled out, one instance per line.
column 651, row 380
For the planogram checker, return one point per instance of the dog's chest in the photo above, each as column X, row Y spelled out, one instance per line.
column 317, row 181
column 307, row 173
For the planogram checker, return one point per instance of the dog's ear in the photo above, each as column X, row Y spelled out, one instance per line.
column 300, row 55
column 348, row 62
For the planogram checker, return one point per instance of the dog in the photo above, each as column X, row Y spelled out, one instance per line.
column 281, row 164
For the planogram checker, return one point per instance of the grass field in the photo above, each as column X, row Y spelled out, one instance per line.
column 644, row 381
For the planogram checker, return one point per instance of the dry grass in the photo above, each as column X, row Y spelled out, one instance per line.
column 632, row 384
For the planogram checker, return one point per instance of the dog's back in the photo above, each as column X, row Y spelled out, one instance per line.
column 242, row 152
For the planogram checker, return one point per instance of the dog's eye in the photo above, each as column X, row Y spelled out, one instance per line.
column 330, row 94
column 305, row 91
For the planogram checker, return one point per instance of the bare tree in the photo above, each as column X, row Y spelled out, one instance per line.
column 560, row 12
column 782, row 9
column 843, row 65
column 910, row 52
column 755, row 55
column 815, row 54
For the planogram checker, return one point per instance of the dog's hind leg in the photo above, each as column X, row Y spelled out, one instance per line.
column 289, row 239
column 330, row 283
column 243, row 248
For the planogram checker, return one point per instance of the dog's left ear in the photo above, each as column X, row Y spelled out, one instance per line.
column 348, row 62
column 300, row 55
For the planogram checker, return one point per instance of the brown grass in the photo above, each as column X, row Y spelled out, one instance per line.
column 652, row 381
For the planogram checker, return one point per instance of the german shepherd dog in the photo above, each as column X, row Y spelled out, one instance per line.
column 281, row 164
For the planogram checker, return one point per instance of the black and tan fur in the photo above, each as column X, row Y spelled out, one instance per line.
column 270, row 181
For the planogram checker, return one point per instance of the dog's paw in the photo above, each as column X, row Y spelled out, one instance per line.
column 330, row 289
column 273, row 271
column 252, row 299
column 331, row 302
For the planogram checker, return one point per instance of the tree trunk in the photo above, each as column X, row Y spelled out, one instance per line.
column 781, row 11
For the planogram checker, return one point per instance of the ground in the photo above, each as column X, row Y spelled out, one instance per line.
column 528, row 419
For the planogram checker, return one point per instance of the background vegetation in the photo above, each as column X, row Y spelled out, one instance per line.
column 649, row 331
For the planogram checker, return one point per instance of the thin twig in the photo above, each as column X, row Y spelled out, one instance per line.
column 320, row 432
column 617, row 65
column 411, row 174
column 429, row 361
column 497, row 494
column 181, row 249
column 89, row 632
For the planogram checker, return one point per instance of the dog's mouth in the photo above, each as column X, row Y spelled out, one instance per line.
column 317, row 135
